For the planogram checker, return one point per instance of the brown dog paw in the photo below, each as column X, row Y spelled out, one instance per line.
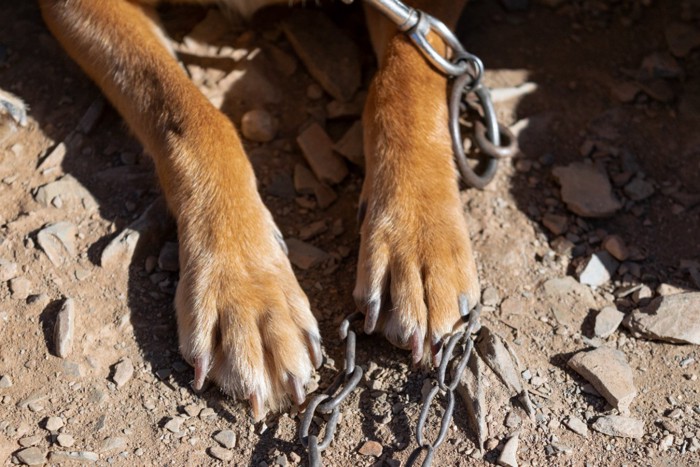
column 243, row 320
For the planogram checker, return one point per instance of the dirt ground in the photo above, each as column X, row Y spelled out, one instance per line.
column 607, row 90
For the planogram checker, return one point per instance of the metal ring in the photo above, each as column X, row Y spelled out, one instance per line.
column 308, row 417
column 350, row 385
column 486, row 170
column 417, row 34
column 504, row 151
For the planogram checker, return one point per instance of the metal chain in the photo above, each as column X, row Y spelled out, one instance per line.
column 466, row 70
column 447, row 389
column 328, row 403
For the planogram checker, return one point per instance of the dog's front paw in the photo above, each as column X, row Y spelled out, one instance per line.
column 243, row 320
column 416, row 272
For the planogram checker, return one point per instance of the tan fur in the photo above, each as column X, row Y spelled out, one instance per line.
column 241, row 313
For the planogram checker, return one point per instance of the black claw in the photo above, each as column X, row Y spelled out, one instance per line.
column 361, row 211
column 372, row 315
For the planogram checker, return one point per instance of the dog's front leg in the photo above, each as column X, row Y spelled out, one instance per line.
column 242, row 317
column 416, row 272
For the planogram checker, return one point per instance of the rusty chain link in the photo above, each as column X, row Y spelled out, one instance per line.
column 328, row 403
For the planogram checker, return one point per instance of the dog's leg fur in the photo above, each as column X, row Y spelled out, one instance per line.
column 242, row 317
column 416, row 271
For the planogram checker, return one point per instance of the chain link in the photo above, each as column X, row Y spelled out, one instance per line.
column 344, row 383
column 447, row 389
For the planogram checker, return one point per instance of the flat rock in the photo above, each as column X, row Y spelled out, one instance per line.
column 113, row 443
column 174, row 424
column 509, row 454
column 93, row 113
column 259, row 126
column 609, row 373
column 598, row 270
column 217, row 452
column 371, row 448
column 150, row 228
column 69, row 190
column 54, row 423
column 65, row 440
column 58, row 242
column 20, row 287
column 325, row 196
column 639, row 189
column 304, row 180
column 54, row 157
column 586, row 190
column 123, row 371
column 617, row 425
column 74, row 456
column 569, row 300
column 330, row 56
column 5, row 382
column 577, row 425
column 670, row 318
column 607, row 321
column 31, row 456
column 64, row 329
column 614, row 245
column 492, row 349
column 8, row 270
column 304, row 255
column 351, row 145
column 226, row 438
column 555, row 223
column 317, row 148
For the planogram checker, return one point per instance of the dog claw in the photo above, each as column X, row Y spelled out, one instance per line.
column 315, row 350
column 463, row 305
column 257, row 406
column 436, row 350
column 296, row 389
column 372, row 316
column 201, row 369
column 416, row 343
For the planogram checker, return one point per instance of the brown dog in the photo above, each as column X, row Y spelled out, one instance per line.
column 243, row 320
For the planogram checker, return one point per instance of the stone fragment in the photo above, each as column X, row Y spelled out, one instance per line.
column 58, row 242
column 259, row 126
column 226, row 438
column 317, row 148
column 586, row 190
column 471, row 390
column 577, row 425
column 617, row 425
column 123, row 371
column 371, row 448
column 64, row 329
column 614, row 245
column 509, row 455
column 330, row 56
column 569, row 300
column 8, row 270
column 5, row 382
column 65, row 440
column 220, row 453
column 29, row 441
column 113, row 443
column 54, row 157
column 625, row 91
column 607, row 321
column 682, row 38
column 69, row 190
column 54, row 423
column 304, row 255
column 77, row 456
column 174, row 424
column 93, row 113
column 555, row 223
column 350, row 145
column 639, row 189
column 660, row 65
column 609, row 373
column 312, row 230
column 20, row 287
column 154, row 224
column 598, row 270
column 169, row 259
column 31, row 456
column 490, row 297
column 304, row 180
column 339, row 109
column 670, row 318
column 325, row 196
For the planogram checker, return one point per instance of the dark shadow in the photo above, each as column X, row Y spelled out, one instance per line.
column 576, row 114
column 48, row 321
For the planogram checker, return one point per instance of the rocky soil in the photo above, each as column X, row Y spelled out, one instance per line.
column 587, row 244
